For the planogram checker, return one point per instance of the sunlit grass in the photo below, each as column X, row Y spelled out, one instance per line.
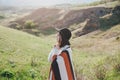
column 19, row 49
column 25, row 56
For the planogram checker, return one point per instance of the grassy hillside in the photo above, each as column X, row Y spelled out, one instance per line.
column 98, row 56
column 22, row 55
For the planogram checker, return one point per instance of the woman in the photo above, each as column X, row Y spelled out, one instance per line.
column 61, row 59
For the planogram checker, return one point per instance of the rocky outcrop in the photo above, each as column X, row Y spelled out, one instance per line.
column 116, row 11
column 92, row 23
column 78, row 16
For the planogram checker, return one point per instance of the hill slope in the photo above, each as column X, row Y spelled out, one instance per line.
column 47, row 18
column 98, row 55
column 23, row 55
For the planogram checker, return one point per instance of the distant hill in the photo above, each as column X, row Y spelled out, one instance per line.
column 80, row 20
column 46, row 18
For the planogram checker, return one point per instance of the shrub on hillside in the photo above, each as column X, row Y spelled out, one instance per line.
column 100, row 72
column 2, row 17
column 108, row 22
column 117, row 67
column 116, row 10
column 117, row 38
column 29, row 24
column 7, row 73
column 15, row 25
column 33, row 73
column 22, row 74
column 33, row 61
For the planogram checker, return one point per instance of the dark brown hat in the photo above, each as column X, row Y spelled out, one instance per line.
column 65, row 33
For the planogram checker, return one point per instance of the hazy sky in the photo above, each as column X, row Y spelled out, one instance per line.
column 42, row 2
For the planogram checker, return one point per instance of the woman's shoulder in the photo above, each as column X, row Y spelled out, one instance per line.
column 66, row 51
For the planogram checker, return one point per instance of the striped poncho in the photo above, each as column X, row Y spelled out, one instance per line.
column 61, row 64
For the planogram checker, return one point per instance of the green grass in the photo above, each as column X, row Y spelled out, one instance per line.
column 20, row 53
column 95, row 56
column 24, row 57
column 95, row 65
